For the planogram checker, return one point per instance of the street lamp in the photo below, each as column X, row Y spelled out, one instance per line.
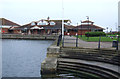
column 88, row 26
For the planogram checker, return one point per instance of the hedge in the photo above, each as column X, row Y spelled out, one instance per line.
column 94, row 34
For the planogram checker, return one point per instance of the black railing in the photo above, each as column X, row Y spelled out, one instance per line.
column 75, row 41
column 66, row 39
column 59, row 40
column 116, row 42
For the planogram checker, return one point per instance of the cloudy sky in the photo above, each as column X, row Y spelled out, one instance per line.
column 103, row 12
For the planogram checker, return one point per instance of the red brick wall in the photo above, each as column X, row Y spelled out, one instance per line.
column 4, row 30
column 74, row 33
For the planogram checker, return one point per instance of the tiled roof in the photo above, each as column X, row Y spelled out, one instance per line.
column 87, row 21
column 88, row 26
column 56, row 21
column 8, row 22
column 58, row 24
column 69, row 27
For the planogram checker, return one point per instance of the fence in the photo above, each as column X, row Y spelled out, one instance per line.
column 59, row 40
column 101, row 42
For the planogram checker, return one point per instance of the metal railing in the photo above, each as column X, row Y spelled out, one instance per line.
column 76, row 42
column 116, row 42
column 59, row 40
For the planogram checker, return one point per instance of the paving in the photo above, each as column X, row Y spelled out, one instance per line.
column 70, row 41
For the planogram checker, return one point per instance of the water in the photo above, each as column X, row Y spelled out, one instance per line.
column 22, row 58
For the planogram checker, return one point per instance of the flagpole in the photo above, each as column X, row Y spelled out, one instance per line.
column 62, row 21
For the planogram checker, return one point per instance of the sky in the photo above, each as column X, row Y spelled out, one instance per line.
column 103, row 12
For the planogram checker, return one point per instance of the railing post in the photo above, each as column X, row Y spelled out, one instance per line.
column 99, row 42
column 117, row 43
column 59, row 40
column 77, row 40
column 63, row 42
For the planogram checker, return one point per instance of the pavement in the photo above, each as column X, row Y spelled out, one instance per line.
column 70, row 41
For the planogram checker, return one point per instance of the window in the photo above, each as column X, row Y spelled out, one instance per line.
column 42, row 23
column 52, row 23
column 33, row 23
column 68, row 23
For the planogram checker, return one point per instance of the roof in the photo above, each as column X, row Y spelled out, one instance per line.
column 58, row 25
column 87, row 21
column 6, row 27
column 4, row 21
column 59, row 20
column 56, row 21
column 88, row 26
column 69, row 27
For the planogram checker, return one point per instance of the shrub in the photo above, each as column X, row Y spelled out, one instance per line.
column 94, row 34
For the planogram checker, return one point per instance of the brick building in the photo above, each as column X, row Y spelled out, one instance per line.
column 6, row 26
column 87, row 26
column 43, row 26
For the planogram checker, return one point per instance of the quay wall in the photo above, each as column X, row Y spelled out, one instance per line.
column 32, row 37
column 49, row 65
column 81, row 60
column 75, row 59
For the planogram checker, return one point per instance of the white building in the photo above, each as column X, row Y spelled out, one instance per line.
column 119, row 16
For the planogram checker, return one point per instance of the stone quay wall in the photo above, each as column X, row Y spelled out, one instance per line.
column 32, row 37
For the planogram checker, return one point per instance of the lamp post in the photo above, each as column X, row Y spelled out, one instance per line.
column 88, row 26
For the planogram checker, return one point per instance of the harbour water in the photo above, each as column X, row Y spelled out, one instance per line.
column 22, row 58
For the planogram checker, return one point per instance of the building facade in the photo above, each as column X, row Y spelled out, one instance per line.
column 6, row 26
column 87, row 26
column 43, row 26
column 119, row 16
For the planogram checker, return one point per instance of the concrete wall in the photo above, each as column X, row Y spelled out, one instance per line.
column 19, row 36
column 49, row 65
column 119, row 16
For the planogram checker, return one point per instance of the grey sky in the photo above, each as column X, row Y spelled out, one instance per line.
column 103, row 12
